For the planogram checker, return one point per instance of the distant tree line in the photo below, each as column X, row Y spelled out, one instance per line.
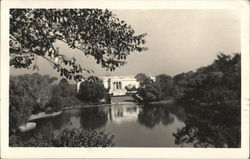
column 218, row 83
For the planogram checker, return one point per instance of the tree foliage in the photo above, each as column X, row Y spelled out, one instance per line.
column 151, row 90
column 98, row 33
column 212, row 103
column 218, row 83
column 66, row 138
column 55, row 103
column 64, row 89
column 180, row 83
column 148, row 89
column 91, row 90
column 143, row 79
column 28, row 94
column 165, row 85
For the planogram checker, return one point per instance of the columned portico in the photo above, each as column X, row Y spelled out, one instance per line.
column 117, row 84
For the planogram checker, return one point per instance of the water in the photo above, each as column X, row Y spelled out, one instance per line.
column 132, row 125
column 155, row 125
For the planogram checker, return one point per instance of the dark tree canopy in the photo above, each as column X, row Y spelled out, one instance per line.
column 148, row 89
column 165, row 85
column 219, row 82
column 142, row 78
column 91, row 90
column 98, row 33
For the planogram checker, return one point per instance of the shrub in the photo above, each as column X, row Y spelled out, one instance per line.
column 66, row 138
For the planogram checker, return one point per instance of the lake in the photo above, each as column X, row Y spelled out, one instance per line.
column 132, row 125
column 154, row 125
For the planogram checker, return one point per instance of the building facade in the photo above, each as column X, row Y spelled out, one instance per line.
column 117, row 84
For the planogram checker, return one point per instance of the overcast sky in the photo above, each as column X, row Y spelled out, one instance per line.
column 178, row 41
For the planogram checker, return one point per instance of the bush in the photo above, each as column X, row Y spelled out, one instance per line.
column 66, row 138
column 91, row 90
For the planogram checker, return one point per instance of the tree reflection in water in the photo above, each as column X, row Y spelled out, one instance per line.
column 93, row 118
column 152, row 115
column 210, row 126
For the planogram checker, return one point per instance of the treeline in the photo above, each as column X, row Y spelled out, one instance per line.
column 218, row 83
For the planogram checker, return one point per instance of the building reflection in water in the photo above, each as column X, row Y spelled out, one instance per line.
column 123, row 113
column 149, row 116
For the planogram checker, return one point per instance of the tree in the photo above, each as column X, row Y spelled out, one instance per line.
column 165, row 85
column 148, row 90
column 218, row 83
column 98, row 33
column 143, row 79
column 55, row 103
column 91, row 90
column 213, row 115
column 28, row 94
column 64, row 89
column 180, row 83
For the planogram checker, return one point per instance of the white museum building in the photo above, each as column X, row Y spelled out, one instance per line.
column 117, row 84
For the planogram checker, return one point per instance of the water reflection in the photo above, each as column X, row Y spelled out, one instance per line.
column 131, row 124
column 123, row 113
column 152, row 115
column 210, row 126
column 98, row 117
column 155, row 125
column 93, row 117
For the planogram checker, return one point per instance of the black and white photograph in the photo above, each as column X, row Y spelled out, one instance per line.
column 106, row 77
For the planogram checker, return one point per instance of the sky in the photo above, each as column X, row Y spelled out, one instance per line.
column 177, row 41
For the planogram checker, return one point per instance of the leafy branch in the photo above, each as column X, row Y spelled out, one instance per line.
column 96, row 32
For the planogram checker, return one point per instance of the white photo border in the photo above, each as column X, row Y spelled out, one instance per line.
column 10, row 152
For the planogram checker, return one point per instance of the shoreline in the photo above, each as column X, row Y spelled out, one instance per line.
column 43, row 115
column 162, row 102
